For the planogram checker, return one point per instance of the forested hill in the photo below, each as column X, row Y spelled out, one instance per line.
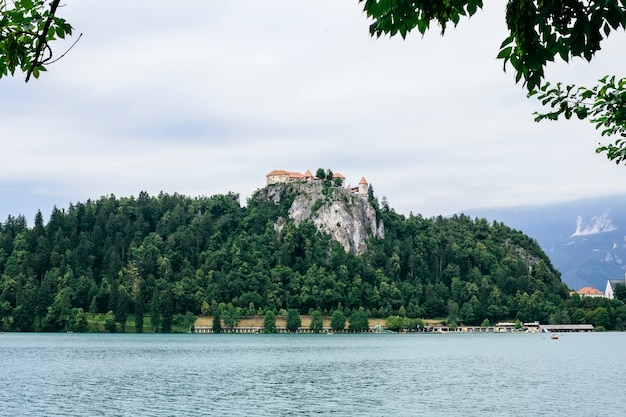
column 165, row 255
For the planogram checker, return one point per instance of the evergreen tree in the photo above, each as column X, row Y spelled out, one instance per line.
column 217, row 322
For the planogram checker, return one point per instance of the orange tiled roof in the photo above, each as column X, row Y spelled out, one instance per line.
column 277, row 172
column 283, row 172
column 589, row 291
column 307, row 174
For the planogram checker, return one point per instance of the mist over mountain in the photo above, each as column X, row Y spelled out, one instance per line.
column 585, row 239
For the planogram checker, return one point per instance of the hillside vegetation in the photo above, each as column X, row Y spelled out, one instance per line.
column 584, row 238
column 169, row 257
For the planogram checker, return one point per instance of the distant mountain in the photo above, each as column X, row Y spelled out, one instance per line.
column 585, row 239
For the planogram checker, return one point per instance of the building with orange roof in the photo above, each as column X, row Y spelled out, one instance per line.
column 282, row 176
column 363, row 186
column 589, row 292
column 338, row 175
column 360, row 189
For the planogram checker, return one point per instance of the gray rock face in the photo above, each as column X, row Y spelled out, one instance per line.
column 349, row 219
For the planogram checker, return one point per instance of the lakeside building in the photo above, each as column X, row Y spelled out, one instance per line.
column 567, row 328
column 609, row 292
column 253, row 324
column 590, row 292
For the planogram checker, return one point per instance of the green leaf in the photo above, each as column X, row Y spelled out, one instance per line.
column 505, row 53
column 506, row 42
column 471, row 8
column 581, row 112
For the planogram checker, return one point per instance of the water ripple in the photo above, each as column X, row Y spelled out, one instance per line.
column 309, row 375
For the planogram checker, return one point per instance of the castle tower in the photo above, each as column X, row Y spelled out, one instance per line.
column 363, row 187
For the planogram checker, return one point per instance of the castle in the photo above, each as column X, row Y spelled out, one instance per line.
column 281, row 176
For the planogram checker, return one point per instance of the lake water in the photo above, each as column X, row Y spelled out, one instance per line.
column 292, row 375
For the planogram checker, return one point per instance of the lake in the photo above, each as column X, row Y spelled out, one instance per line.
column 303, row 375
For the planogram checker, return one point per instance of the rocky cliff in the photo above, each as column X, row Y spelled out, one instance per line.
column 349, row 219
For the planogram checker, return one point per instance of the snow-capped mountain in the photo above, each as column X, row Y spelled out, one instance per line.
column 585, row 239
column 597, row 224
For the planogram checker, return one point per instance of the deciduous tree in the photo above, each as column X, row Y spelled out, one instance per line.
column 293, row 320
column 269, row 322
column 316, row 321
column 338, row 321
column 604, row 105
column 109, row 322
column 231, row 316
column 359, row 322
column 27, row 29
column 540, row 31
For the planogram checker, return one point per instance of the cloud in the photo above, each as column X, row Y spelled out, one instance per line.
column 207, row 97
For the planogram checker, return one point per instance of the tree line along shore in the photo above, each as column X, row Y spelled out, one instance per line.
column 165, row 260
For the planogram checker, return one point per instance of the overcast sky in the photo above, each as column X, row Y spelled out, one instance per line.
column 205, row 97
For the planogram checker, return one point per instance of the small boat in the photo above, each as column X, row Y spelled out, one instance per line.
column 554, row 336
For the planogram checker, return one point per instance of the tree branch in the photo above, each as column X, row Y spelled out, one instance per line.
column 68, row 49
column 42, row 42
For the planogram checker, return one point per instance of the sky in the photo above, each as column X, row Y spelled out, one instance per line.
column 206, row 97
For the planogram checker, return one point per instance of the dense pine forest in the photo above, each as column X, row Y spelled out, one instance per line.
column 170, row 258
